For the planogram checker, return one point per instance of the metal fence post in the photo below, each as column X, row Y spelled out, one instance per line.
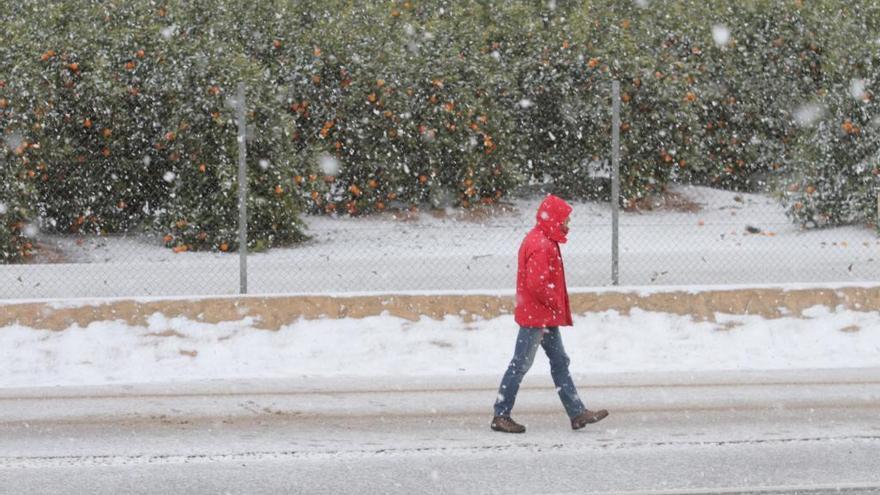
column 615, row 181
column 242, row 188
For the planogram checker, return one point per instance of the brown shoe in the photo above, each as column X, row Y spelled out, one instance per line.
column 507, row 425
column 587, row 417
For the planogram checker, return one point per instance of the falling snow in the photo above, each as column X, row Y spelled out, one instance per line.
column 721, row 35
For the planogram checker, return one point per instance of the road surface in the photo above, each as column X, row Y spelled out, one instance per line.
column 722, row 432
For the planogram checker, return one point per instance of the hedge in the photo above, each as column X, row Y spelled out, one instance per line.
column 356, row 107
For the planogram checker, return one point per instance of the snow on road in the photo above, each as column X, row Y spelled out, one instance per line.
column 706, row 432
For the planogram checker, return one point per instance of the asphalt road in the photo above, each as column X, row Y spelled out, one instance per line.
column 774, row 432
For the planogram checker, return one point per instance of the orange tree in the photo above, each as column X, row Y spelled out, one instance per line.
column 134, row 130
column 835, row 174
column 20, row 169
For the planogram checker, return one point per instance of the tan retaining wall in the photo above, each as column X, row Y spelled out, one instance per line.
column 271, row 313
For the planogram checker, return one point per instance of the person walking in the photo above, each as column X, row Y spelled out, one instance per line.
column 542, row 306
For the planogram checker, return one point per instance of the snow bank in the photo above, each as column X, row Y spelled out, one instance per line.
column 169, row 349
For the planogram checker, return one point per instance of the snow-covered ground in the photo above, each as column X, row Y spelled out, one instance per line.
column 706, row 242
column 172, row 348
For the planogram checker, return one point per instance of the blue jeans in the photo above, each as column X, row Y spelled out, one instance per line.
column 524, row 355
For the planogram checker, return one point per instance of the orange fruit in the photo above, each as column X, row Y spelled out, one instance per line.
column 130, row 65
column 140, row 54
column 181, row 224
column 593, row 63
column 168, row 238
column 169, row 136
column 278, row 189
column 202, row 168
column 121, row 205
column 355, row 190
column 87, row 123
column 180, row 249
column 74, row 67
column 298, row 179
column 107, row 132
column 105, row 152
column 4, row 103
column 373, row 183
column 224, row 247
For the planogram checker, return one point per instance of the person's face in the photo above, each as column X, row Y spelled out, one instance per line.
column 565, row 223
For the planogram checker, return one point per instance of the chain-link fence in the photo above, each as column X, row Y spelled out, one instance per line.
column 691, row 235
column 686, row 235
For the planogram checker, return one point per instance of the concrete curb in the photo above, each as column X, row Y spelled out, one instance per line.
column 273, row 312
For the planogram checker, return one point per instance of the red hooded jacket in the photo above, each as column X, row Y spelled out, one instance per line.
column 541, row 294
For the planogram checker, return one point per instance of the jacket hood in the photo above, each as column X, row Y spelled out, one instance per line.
column 551, row 216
